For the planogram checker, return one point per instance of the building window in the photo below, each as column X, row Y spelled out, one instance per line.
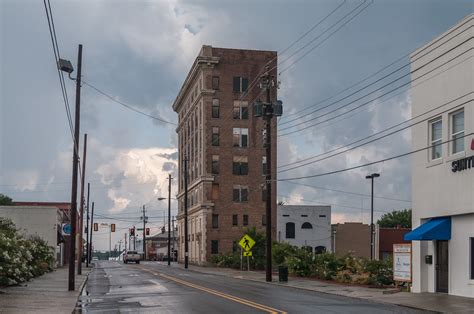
column 215, row 136
column 240, row 193
column 241, row 110
column 215, row 82
column 264, row 165
column 240, row 137
column 472, row 258
column 235, row 220
column 290, row 230
column 457, row 132
column 286, row 215
column 240, row 165
column 215, row 108
column 215, row 191
column 264, row 220
column 215, row 164
column 240, row 84
column 306, row 225
column 215, row 221
column 246, row 220
column 214, row 246
column 264, row 193
column 322, row 216
column 304, row 215
column 234, row 246
column 436, row 138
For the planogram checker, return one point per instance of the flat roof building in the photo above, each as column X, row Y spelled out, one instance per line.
column 223, row 144
column 443, row 175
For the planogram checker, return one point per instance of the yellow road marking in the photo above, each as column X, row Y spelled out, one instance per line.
column 262, row 307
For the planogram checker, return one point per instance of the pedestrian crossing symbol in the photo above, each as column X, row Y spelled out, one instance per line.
column 247, row 242
column 249, row 253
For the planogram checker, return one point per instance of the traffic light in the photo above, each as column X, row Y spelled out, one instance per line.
column 132, row 232
column 147, row 231
column 96, row 226
column 112, row 228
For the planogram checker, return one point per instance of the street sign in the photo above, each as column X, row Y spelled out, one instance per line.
column 247, row 242
column 66, row 229
column 402, row 262
column 139, row 229
column 249, row 253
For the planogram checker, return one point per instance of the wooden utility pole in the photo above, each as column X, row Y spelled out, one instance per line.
column 87, row 225
column 75, row 164
column 268, row 178
column 89, row 255
column 81, row 220
column 169, row 219
column 144, row 233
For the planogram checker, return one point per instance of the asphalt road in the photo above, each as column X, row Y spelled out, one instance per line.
column 155, row 288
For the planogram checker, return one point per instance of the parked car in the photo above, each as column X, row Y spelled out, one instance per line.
column 131, row 256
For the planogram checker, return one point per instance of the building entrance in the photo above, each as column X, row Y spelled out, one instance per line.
column 442, row 270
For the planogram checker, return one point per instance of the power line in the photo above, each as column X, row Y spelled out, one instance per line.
column 125, row 105
column 377, row 133
column 370, row 101
column 366, row 86
column 348, row 192
column 373, row 162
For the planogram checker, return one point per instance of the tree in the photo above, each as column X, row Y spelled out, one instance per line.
column 5, row 200
column 396, row 218
column 281, row 203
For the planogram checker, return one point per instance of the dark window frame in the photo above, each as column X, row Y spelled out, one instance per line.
column 245, row 220
column 306, row 225
column 240, row 194
column 215, row 165
column 215, row 112
column 214, row 246
column 240, row 168
column 290, row 230
column 215, row 221
column 215, row 141
column 235, row 220
column 215, row 82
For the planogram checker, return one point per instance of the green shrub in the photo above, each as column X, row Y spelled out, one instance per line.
column 380, row 272
column 281, row 251
column 327, row 265
column 301, row 263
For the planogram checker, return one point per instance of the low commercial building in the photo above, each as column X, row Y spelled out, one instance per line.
column 39, row 221
column 351, row 238
column 157, row 246
column 306, row 226
column 443, row 174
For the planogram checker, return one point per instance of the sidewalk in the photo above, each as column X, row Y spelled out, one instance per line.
column 435, row 302
column 45, row 294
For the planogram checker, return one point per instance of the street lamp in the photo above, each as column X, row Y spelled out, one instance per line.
column 372, row 177
column 169, row 217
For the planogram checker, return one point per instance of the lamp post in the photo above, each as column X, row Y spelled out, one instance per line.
column 372, row 177
column 169, row 217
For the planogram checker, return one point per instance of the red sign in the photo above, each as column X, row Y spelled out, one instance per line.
column 472, row 144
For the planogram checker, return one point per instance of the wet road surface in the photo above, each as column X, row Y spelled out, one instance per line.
column 156, row 288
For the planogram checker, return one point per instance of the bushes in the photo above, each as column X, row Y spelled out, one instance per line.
column 21, row 259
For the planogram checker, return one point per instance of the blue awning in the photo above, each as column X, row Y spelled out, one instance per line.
column 434, row 229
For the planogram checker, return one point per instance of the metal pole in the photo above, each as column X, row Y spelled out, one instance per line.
column 169, row 219
column 186, row 212
column 110, row 240
column 81, row 220
column 125, row 236
column 174, row 239
column 75, row 164
column 87, row 225
column 268, row 118
column 144, row 231
column 92, row 229
column 372, row 220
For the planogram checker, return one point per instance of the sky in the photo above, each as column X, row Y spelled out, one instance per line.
column 139, row 52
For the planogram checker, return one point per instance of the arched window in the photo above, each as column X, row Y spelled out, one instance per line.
column 306, row 225
column 319, row 249
column 290, row 230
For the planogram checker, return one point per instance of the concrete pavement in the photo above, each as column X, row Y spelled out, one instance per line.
column 45, row 294
column 434, row 302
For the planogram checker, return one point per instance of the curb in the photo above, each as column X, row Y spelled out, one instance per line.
column 78, row 309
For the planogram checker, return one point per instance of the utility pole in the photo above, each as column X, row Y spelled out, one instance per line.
column 125, row 236
column 110, row 240
column 372, row 177
column 81, row 220
column 92, row 229
column 87, row 225
column 174, row 238
column 75, row 164
column 169, row 219
column 186, row 245
column 144, row 235
column 268, row 110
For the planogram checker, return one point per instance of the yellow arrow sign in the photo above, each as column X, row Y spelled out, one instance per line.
column 247, row 242
column 249, row 253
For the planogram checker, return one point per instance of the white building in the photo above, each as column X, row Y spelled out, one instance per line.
column 305, row 226
column 443, row 176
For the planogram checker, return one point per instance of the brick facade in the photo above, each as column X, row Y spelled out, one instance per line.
column 212, row 80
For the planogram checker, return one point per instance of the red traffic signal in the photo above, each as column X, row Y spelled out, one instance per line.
column 147, row 231
column 96, row 226
column 112, row 228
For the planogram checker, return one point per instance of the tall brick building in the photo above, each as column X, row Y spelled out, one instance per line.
column 223, row 143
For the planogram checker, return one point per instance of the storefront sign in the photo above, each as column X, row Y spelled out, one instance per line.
column 402, row 262
column 462, row 164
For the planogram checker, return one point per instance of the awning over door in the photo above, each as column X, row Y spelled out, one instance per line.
column 434, row 229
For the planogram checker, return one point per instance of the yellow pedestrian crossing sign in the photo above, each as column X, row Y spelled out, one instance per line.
column 249, row 253
column 247, row 243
